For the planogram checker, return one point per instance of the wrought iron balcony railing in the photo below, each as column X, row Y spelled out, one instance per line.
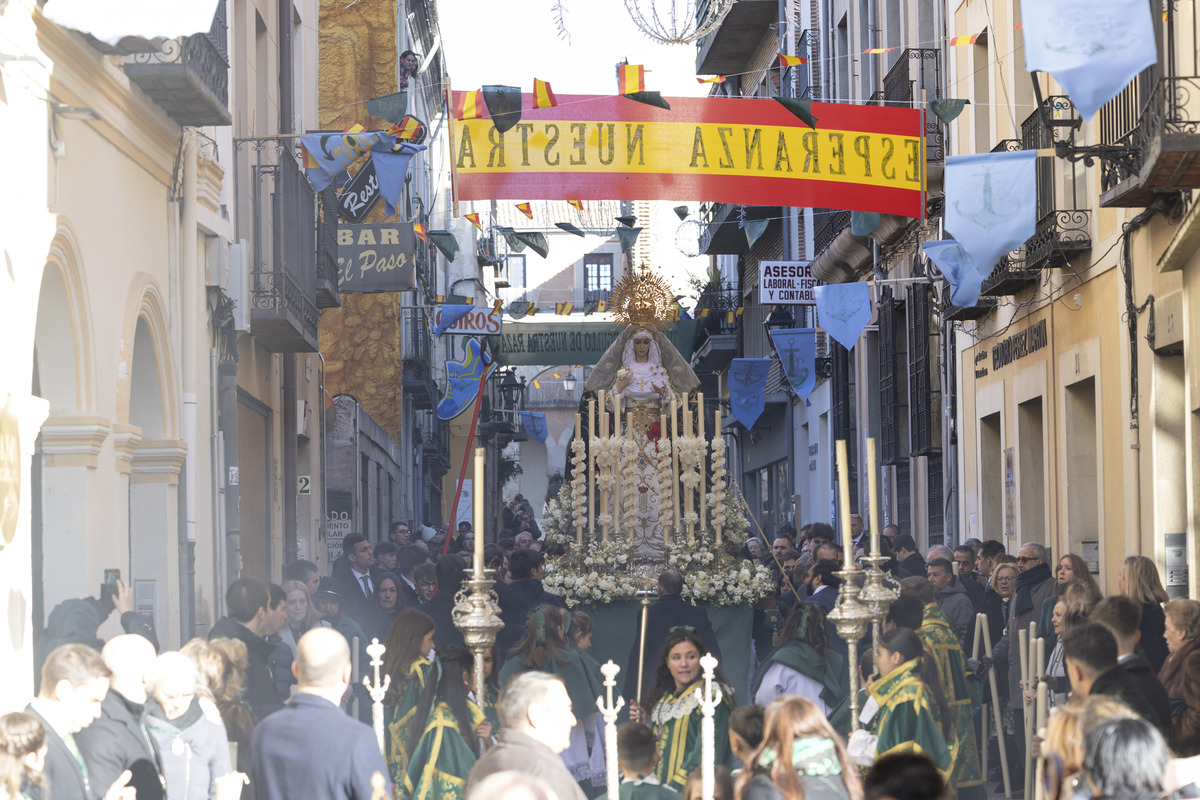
column 827, row 224
column 1011, row 276
column 1061, row 234
column 1161, row 147
column 919, row 69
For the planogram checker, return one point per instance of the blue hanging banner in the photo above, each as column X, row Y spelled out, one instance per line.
column 843, row 310
column 747, row 385
column 1101, row 48
column 991, row 204
column 463, row 379
column 959, row 268
column 797, row 348
column 391, row 166
column 534, row 423
column 448, row 316
column 326, row 155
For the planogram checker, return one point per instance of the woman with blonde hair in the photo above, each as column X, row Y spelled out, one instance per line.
column 222, row 665
column 1180, row 676
column 800, row 757
column 1072, row 607
column 1062, row 749
column 1070, row 569
column 22, row 756
column 1139, row 581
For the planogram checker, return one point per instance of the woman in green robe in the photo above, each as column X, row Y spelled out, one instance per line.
column 406, row 661
column 674, row 711
column 803, row 665
column 448, row 742
column 491, row 689
column 906, row 707
column 545, row 648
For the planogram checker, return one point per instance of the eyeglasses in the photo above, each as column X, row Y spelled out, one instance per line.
column 1005, row 578
column 1027, row 559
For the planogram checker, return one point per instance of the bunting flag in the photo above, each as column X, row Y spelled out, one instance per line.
column 800, row 109
column 390, row 107
column 510, row 238
column 534, row 423
column 747, row 388
column 390, row 168
column 469, row 106
column 419, row 230
column 474, row 220
column 463, row 379
column 631, row 78
column 518, row 308
column 450, row 314
column 576, row 204
column 703, row 313
column 529, row 312
column 543, row 95
column 537, row 384
column 732, row 315
column 355, row 128
column 445, row 242
column 791, row 61
column 497, row 305
column 328, row 154
column 843, row 310
column 536, row 242
column 526, row 209
column 1106, row 45
column 681, row 212
column 556, row 376
column 959, row 269
column 563, row 309
column 864, row 223
column 959, row 41
column 589, row 308
column 569, row 228
column 714, row 79
column 797, row 349
column 504, row 105
column 991, row 203
column 627, row 236
column 601, row 306
column 410, row 129
column 441, row 298
column 877, row 50
column 626, row 220
column 649, row 98
column 459, row 299
column 947, row 109
column 754, row 228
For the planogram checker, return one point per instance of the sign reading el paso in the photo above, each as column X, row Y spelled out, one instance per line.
column 745, row 151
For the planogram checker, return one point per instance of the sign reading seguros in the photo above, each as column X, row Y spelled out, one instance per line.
column 480, row 322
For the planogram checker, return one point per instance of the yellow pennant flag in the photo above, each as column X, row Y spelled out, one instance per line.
column 543, row 95
column 474, row 220
column 525, row 209
column 355, row 128
column 563, row 309
column 631, row 78
column 537, row 384
column 959, row 41
column 791, row 61
column 470, row 105
column 576, row 204
column 419, row 230
column 715, row 79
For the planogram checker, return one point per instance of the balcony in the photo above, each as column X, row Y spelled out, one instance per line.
column 965, row 313
column 1010, row 277
column 917, row 76
column 1061, row 234
column 416, row 367
column 716, row 335
column 433, row 435
column 728, row 49
column 327, row 263
column 728, row 237
column 1163, row 140
column 283, row 309
column 189, row 77
column 827, row 224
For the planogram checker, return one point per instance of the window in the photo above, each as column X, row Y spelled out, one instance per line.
column 597, row 276
column 515, row 270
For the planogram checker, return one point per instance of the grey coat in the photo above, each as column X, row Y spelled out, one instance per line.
column 1009, row 649
column 193, row 748
column 959, row 612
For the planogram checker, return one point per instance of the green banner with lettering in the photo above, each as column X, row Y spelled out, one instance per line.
column 582, row 343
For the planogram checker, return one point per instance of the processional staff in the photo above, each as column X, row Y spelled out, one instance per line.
column 377, row 689
column 709, row 697
column 609, row 711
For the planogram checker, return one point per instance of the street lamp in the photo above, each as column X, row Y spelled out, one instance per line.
column 511, row 390
column 569, row 382
column 780, row 318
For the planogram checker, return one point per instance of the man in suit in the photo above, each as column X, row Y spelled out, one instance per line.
column 823, row 584
column 523, row 595
column 669, row 611
column 74, row 685
column 310, row 748
column 357, row 577
column 1122, row 616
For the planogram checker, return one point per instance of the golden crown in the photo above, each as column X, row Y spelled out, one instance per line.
column 641, row 298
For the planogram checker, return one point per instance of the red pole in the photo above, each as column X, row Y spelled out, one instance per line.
column 466, row 460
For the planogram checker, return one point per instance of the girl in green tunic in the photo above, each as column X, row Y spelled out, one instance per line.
column 802, row 664
column 406, row 661
column 673, row 709
column 906, row 709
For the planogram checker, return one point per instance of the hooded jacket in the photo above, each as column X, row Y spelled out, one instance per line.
column 193, row 748
column 957, row 609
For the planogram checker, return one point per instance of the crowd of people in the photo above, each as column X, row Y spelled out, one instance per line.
column 266, row 706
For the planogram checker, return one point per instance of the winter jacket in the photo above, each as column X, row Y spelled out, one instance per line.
column 259, row 690
column 1008, row 650
column 517, row 599
column 1180, row 676
column 959, row 613
column 115, row 742
column 193, row 749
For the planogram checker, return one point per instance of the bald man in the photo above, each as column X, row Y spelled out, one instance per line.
column 311, row 748
column 115, row 741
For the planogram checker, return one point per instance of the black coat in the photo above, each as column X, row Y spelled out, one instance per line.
column 669, row 611
column 1152, row 626
column 975, row 592
column 1132, row 682
column 991, row 606
column 63, row 775
column 439, row 608
column 913, row 567
column 259, row 691
column 116, row 742
column 312, row 749
column 355, row 602
column 517, row 599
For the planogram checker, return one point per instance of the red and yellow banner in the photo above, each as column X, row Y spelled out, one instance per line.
column 745, row 151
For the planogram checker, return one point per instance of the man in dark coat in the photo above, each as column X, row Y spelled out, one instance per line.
column 669, row 611
column 911, row 563
column 1122, row 616
column 74, row 685
column 518, row 598
column 248, row 603
column 117, row 741
column 356, row 579
column 450, row 573
column 77, row 620
column 310, row 748
column 1090, row 659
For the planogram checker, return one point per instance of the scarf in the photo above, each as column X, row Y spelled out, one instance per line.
column 1023, row 600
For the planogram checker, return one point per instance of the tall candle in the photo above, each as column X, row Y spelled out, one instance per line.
column 717, row 435
column 662, row 437
column 603, row 508
column 844, row 504
column 591, row 466
column 603, row 416
column 675, row 462
column 477, row 489
column 873, row 490
column 617, row 412
column 632, row 488
column 687, row 417
column 700, row 414
column 578, row 516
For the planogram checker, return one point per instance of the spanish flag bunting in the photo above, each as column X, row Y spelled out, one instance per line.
column 791, row 61
column 576, row 204
column 470, row 105
column 557, row 376
column 631, row 78
column 537, row 384
column 496, row 306
column 309, row 161
column 741, row 310
column 714, row 79
column 419, row 230
column 704, row 312
column 959, row 41
column 874, row 50
column 563, row 309
column 474, row 220
column 730, row 316
column 525, row 209
column 441, row 298
column 355, row 128
column 407, row 128
column 529, row 312
column 602, row 305
column 543, row 95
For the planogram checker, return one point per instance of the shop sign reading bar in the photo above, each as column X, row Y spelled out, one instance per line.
column 788, row 282
column 1019, row 345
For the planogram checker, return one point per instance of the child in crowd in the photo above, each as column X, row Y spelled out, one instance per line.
column 745, row 732
column 637, row 753
column 722, row 784
column 582, row 628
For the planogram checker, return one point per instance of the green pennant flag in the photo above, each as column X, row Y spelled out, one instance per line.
column 864, row 223
column 801, row 109
column 514, row 243
column 458, row 300
column 947, row 109
column 536, row 242
column 627, row 236
column 649, row 98
column 627, row 221
column 754, row 228
column 504, row 104
column 569, row 228
column 390, row 107
column 444, row 241
column 681, row 212
column 590, row 308
column 519, row 308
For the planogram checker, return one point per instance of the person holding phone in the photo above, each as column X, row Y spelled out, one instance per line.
column 76, row 621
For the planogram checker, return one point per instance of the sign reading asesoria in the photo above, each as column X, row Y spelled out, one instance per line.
column 752, row 152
